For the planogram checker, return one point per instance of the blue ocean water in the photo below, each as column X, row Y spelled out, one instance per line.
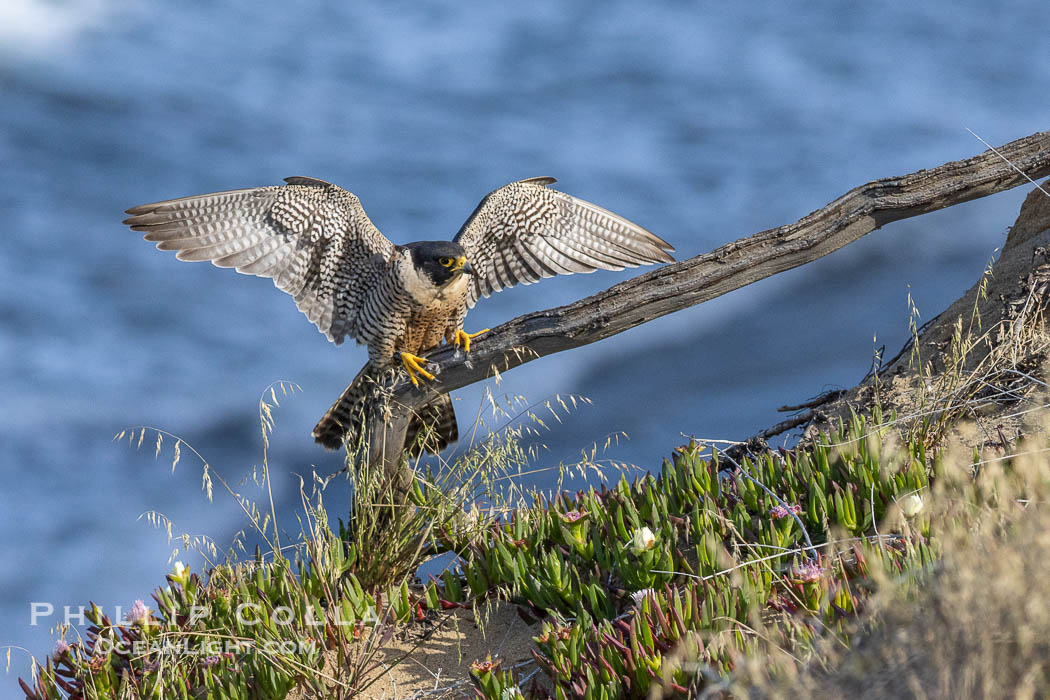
column 702, row 122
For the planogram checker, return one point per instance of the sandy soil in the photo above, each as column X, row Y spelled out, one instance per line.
column 432, row 659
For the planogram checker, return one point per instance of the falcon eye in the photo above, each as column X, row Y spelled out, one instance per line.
column 446, row 262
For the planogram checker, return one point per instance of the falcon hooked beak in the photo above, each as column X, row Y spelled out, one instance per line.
column 465, row 267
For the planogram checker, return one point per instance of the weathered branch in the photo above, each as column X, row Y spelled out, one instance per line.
column 734, row 265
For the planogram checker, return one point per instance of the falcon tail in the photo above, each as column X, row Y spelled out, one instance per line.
column 432, row 429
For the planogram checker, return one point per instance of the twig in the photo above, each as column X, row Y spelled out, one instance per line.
column 826, row 397
column 750, row 562
column 996, row 152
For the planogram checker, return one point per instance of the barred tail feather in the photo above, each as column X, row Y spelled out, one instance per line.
column 432, row 429
column 342, row 421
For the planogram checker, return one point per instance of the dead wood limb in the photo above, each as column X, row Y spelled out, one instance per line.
column 698, row 279
column 816, row 401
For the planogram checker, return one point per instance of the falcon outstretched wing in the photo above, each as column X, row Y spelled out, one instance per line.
column 525, row 231
column 311, row 237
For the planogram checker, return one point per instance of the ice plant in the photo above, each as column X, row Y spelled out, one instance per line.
column 490, row 680
column 180, row 572
column 575, row 532
column 639, row 596
column 643, row 540
column 911, row 504
column 807, row 573
column 138, row 615
column 610, row 634
column 487, row 666
column 61, row 647
column 778, row 512
column 573, row 516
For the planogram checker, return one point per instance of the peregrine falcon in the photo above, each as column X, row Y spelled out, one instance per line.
column 315, row 241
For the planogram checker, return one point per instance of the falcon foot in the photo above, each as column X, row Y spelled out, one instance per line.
column 462, row 337
column 414, row 366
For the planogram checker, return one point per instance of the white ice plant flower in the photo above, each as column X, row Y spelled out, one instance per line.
column 639, row 596
column 179, row 571
column 910, row 505
column 643, row 540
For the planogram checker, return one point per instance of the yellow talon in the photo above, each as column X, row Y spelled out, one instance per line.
column 464, row 338
column 414, row 365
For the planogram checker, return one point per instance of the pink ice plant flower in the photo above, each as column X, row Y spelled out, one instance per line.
column 61, row 647
column 216, row 658
column 138, row 615
column 807, row 573
column 778, row 512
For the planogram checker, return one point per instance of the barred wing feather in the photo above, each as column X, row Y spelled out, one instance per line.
column 526, row 231
column 311, row 237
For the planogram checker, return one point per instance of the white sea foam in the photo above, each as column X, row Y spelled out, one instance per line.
column 35, row 25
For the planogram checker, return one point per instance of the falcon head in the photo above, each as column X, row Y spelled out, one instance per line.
column 440, row 261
